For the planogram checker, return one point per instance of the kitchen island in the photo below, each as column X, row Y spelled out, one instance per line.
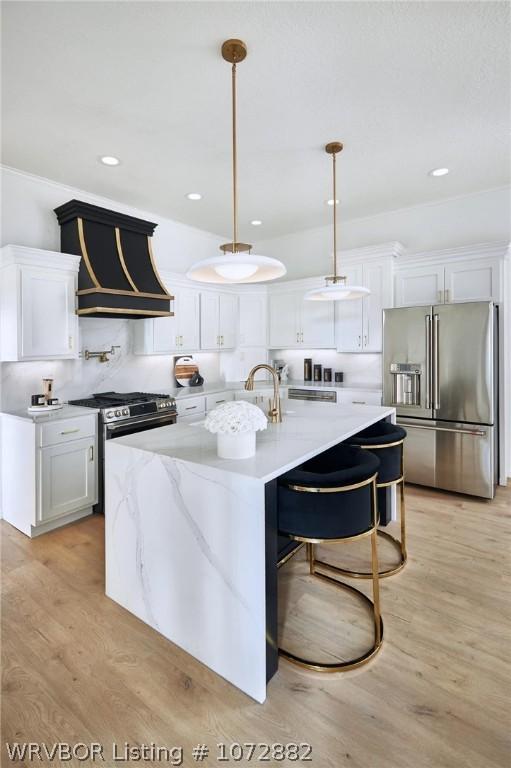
column 191, row 539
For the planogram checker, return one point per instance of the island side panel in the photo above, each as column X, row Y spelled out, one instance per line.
column 271, row 515
column 185, row 553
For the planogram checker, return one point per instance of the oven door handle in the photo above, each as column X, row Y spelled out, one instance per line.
column 168, row 419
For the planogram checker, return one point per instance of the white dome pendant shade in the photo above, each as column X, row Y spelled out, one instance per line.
column 337, row 292
column 237, row 264
column 240, row 268
column 336, row 288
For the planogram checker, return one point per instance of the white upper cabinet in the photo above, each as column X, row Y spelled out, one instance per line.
column 253, row 320
column 359, row 321
column 297, row 323
column 283, row 320
column 419, row 285
column 218, row 320
column 166, row 335
column 473, row 273
column 349, row 315
column 473, row 280
column 38, row 320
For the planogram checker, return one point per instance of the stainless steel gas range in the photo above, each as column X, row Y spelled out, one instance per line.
column 124, row 414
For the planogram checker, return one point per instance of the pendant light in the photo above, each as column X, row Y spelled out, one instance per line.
column 336, row 288
column 237, row 264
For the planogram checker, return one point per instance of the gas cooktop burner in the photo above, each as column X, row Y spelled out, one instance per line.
column 113, row 399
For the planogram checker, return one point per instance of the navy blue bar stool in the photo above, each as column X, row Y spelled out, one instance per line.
column 332, row 498
column 386, row 441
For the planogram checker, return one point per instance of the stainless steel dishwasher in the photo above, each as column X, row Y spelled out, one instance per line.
column 318, row 395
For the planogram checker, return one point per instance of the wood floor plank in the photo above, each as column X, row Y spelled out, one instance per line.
column 77, row 667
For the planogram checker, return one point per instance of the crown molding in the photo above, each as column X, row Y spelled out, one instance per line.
column 500, row 249
column 36, row 257
column 391, row 250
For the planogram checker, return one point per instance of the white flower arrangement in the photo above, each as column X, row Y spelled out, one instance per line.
column 235, row 418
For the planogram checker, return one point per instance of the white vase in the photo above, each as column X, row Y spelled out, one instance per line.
column 239, row 446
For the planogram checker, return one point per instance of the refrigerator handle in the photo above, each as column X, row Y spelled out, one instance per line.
column 428, row 361
column 436, row 395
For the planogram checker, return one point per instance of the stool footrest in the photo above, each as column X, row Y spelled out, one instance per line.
column 367, row 574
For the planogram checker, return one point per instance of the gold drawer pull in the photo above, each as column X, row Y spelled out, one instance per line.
column 70, row 431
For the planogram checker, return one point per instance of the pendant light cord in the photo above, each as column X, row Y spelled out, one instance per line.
column 335, row 217
column 234, row 162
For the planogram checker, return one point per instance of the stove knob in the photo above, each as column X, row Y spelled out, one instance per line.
column 125, row 412
column 109, row 414
column 117, row 413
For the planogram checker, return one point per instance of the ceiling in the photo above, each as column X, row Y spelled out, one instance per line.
column 407, row 86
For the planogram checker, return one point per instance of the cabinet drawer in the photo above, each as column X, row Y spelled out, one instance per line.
column 191, row 405
column 359, row 397
column 212, row 401
column 66, row 430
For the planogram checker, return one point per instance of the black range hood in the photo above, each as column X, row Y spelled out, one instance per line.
column 118, row 276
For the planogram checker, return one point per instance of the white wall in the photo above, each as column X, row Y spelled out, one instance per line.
column 28, row 219
column 477, row 218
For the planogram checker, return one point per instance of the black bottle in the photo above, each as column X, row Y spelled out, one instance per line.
column 307, row 369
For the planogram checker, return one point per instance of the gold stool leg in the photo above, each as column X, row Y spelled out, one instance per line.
column 373, row 605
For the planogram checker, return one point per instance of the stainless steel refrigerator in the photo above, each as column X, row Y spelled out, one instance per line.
column 440, row 373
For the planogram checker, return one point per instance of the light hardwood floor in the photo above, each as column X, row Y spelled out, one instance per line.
column 77, row 667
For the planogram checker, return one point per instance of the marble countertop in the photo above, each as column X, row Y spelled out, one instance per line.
column 67, row 412
column 307, row 429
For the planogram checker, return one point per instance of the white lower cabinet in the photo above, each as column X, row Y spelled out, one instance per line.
column 213, row 401
column 49, row 470
column 190, row 406
column 68, row 478
column 359, row 397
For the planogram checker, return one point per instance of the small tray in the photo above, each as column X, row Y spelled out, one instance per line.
column 44, row 408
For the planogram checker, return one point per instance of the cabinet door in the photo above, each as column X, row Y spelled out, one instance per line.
column 419, row 285
column 473, row 280
column 252, row 308
column 317, row 323
column 378, row 278
column 283, row 317
column 49, row 324
column 164, row 336
column 209, row 317
column 68, row 474
column 188, row 315
column 349, row 316
column 228, row 320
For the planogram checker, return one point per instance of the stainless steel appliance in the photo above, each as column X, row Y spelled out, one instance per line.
column 318, row 395
column 440, row 372
column 125, row 414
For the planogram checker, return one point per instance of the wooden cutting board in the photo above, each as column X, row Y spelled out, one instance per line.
column 184, row 369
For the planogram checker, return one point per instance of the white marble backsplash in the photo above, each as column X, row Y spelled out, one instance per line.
column 357, row 368
column 124, row 372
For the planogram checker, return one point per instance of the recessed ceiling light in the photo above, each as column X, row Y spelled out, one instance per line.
column 109, row 160
column 256, row 222
column 331, row 201
column 439, row 172
column 194, row 196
